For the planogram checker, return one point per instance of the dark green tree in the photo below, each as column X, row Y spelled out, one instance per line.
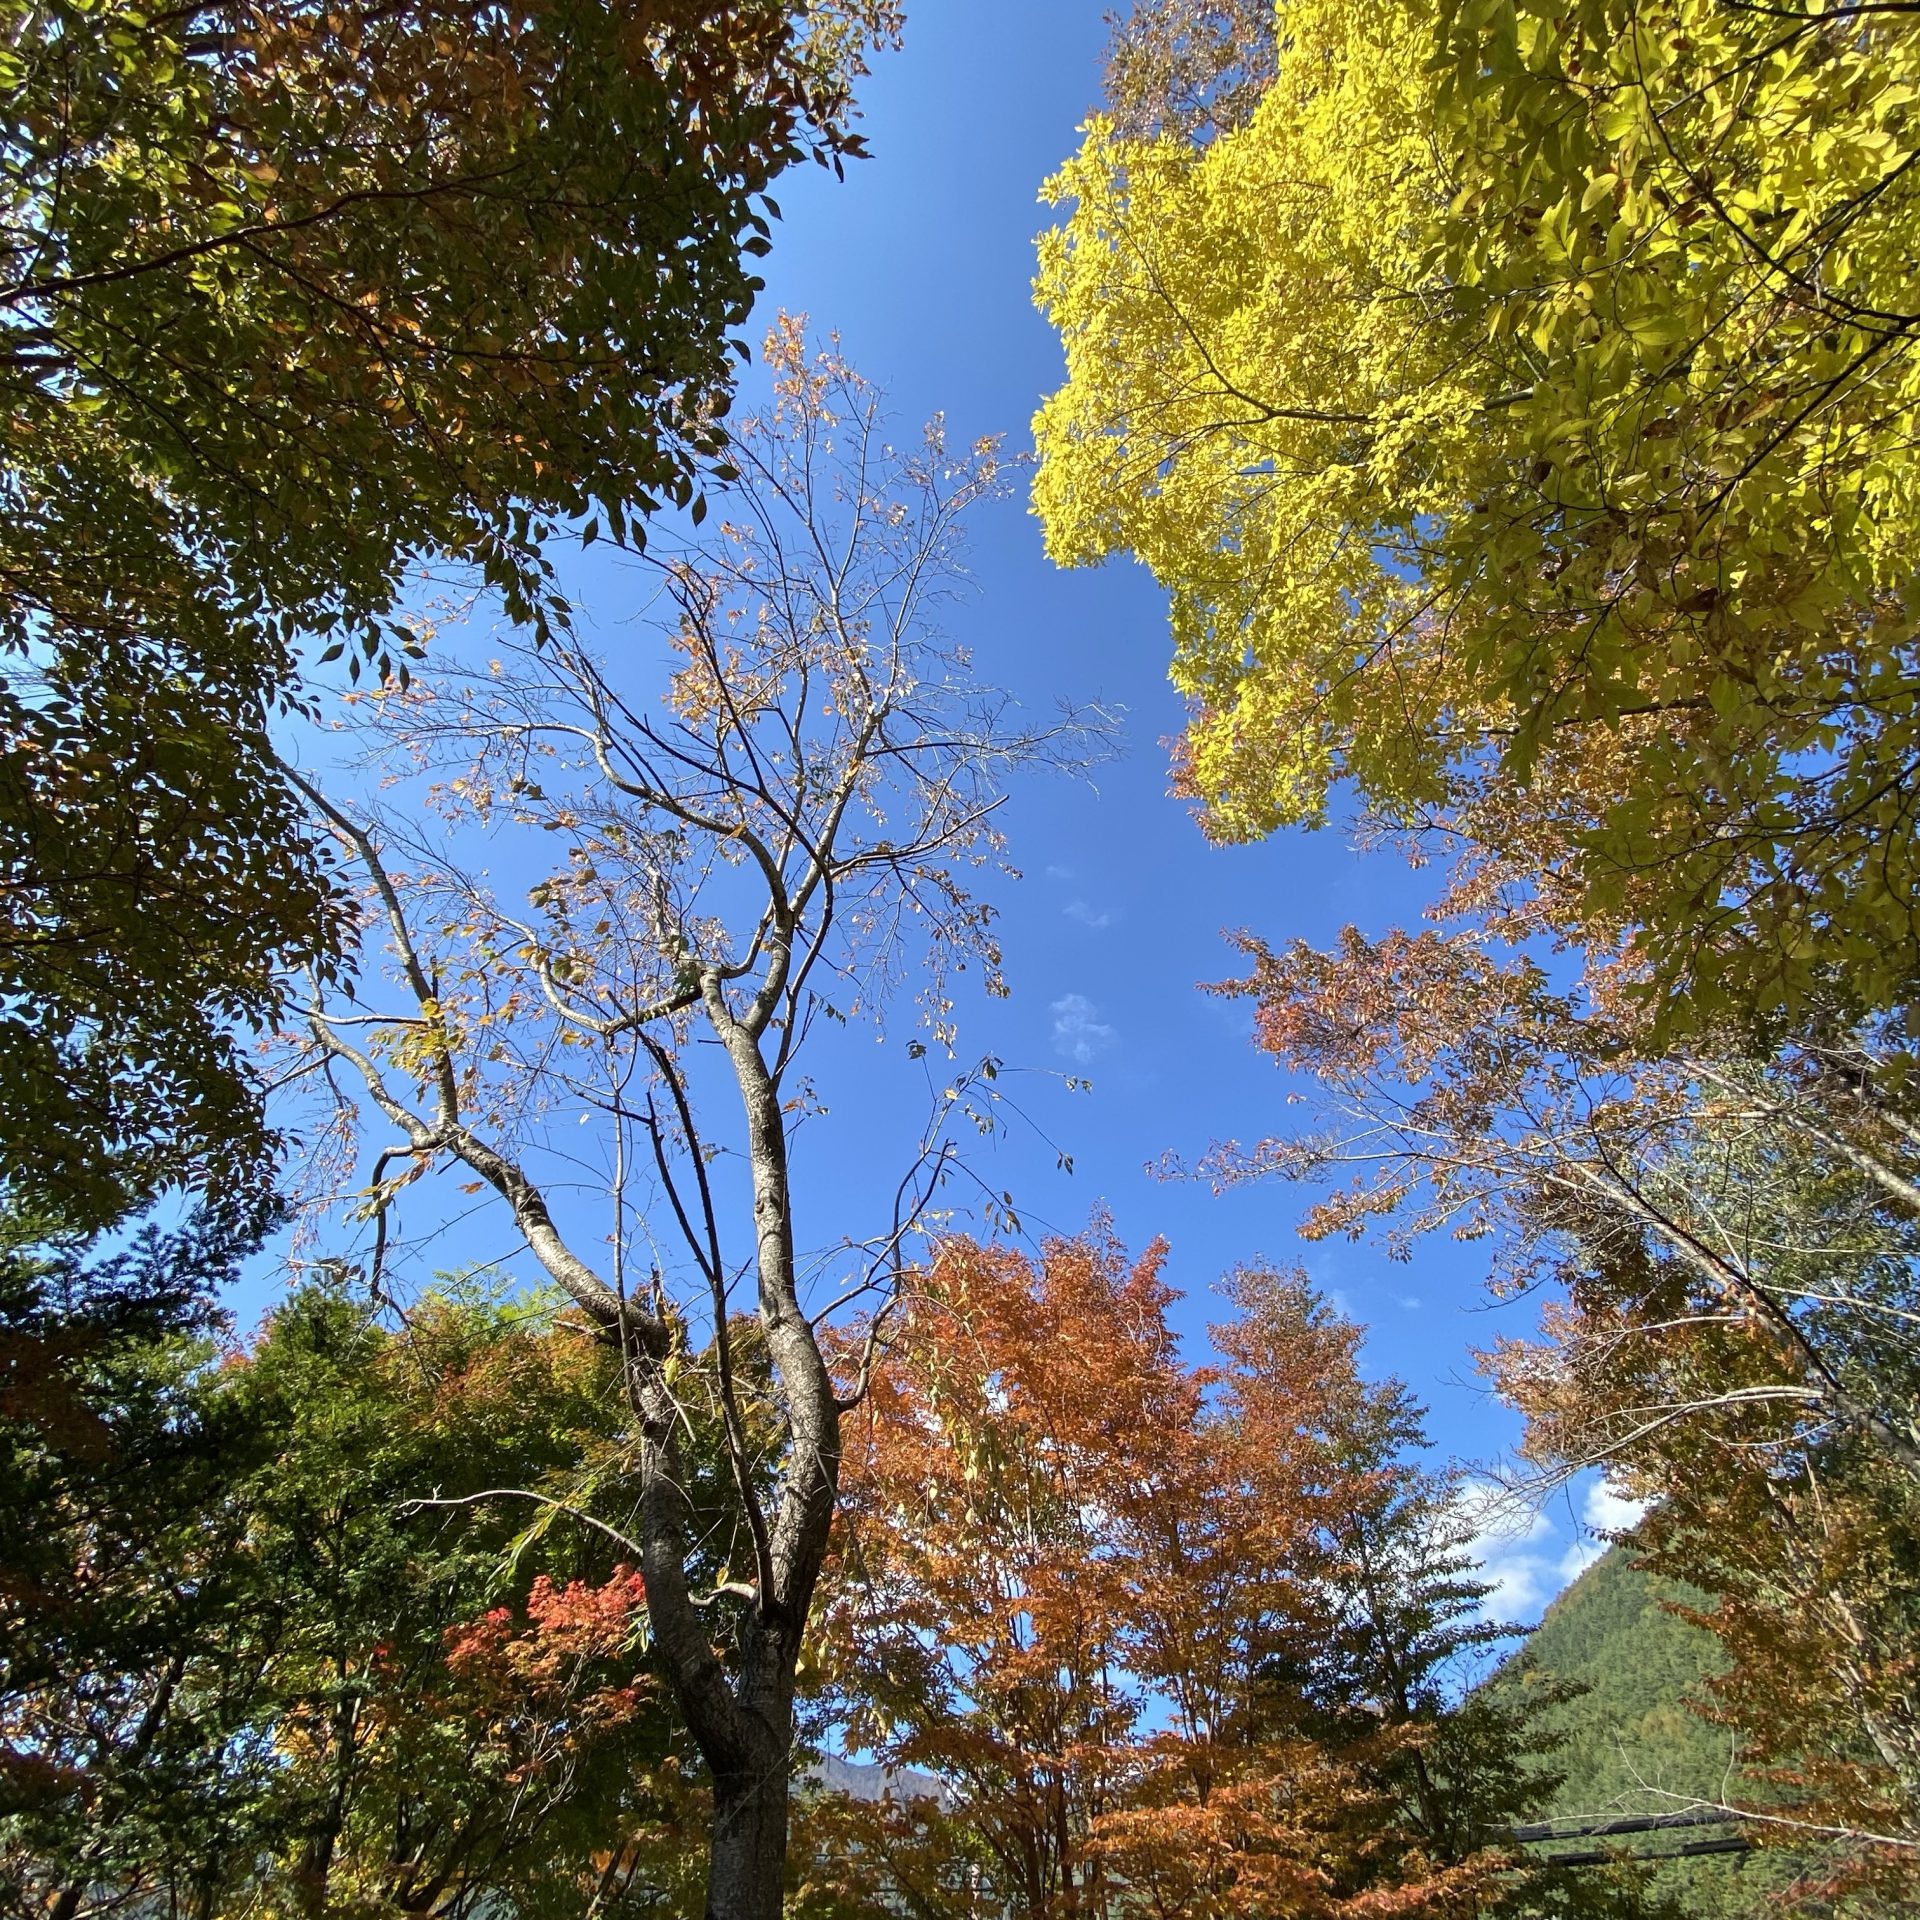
column 274, row 1641
column 1621, row 1679
column 1408, row 1636
column 125, row 1575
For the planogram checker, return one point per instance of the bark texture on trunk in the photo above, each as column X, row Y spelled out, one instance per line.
column 746, row 1876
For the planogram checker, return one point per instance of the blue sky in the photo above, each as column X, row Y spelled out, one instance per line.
column 921, row 260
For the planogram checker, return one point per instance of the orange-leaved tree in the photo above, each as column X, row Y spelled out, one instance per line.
column 1169, row 1634
column 1729, row 1243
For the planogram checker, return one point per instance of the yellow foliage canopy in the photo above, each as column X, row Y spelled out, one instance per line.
column 1522, row 396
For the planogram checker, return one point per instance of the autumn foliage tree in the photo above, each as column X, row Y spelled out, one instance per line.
column 1192, row 68
column 1514, row 400
column 1175, row 1637
column 266, row 1654
column 1725, row 1248
column 1521, row 397
column 294, row 300
column 790, row 831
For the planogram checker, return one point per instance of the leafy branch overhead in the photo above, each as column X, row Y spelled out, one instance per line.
column 293, row 301
column 1518, row 402
column 1517, row 399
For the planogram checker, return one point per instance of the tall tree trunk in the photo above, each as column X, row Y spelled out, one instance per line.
column 742, row 1722
column 745, row 1731
column 747, row 1860
column 748, row 1845
column 315, row 1869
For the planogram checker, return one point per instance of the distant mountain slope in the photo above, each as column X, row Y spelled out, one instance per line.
column 862, row 1780
column 1630, row 1734
column 1630, row 1739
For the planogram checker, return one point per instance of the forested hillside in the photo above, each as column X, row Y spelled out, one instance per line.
column 1632, row 1743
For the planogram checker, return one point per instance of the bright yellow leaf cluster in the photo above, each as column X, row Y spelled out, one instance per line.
column 1527, row 392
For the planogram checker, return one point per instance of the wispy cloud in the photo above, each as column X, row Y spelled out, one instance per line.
column 1098, row 918
column 1076, row 1032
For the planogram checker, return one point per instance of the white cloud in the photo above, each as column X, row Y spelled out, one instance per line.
column 1098, row 918
column 1580, row 1556
column 1607, row 1511
column 1511, row 1541
column 1523, row 1556
column 1521, row 1553
column 1603, row 1513
column 1076, row 1033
